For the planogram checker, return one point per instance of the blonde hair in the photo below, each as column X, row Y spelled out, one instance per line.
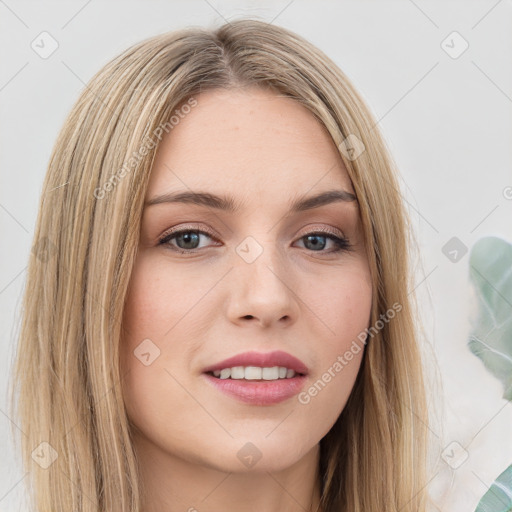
column 67, row 368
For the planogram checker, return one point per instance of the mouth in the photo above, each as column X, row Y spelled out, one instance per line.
column 255, row 373
column 258, row 366
column 257, row 391
column 258, row 378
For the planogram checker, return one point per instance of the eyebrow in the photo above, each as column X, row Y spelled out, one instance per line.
column 228, row 204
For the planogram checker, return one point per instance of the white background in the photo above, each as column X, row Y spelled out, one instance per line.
column 447, row 122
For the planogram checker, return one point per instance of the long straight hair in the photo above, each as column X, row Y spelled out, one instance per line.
column 67, row 374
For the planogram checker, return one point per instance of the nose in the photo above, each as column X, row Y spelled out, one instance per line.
column 262, row 291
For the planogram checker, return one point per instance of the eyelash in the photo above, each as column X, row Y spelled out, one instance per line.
column 342, row 244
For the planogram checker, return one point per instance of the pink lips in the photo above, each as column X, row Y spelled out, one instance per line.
column 267, row 360
column 259, row 392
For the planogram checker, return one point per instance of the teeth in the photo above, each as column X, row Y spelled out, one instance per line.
column 225, row 373
column 237, row 372
column 254, row 373
column 270, row 373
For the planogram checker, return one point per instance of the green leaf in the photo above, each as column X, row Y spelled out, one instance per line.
column 499, row 496
column 491, row 336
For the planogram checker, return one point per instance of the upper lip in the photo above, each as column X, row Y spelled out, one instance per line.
column 262, row 359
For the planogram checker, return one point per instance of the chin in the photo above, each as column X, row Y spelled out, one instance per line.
column 259, row 454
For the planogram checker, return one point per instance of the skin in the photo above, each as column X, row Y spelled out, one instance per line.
column 201, row 308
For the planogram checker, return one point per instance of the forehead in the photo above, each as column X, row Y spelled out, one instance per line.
column 249, row 142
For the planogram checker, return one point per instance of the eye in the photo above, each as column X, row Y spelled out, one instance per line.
column 187, row 241
column 317, row 241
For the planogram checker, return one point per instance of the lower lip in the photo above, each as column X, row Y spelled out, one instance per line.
column 259, row 392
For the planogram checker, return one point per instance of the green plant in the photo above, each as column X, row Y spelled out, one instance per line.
column 491, row 338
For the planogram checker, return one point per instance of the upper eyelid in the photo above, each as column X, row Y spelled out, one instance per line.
column 333, row 231
column 187, row 228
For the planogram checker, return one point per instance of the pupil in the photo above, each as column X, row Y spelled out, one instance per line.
column 189, row 237
column 314, row 240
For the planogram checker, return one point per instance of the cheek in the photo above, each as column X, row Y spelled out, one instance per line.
column 342, row 304
column 160, row 298
column 344, row 307
column 154, row 306
column 145, row 319
column 145, row 309
column 164, row 326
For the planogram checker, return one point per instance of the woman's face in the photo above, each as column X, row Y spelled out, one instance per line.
column 265, row 278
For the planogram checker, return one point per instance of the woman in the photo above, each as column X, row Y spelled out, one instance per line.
column 217, row 313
